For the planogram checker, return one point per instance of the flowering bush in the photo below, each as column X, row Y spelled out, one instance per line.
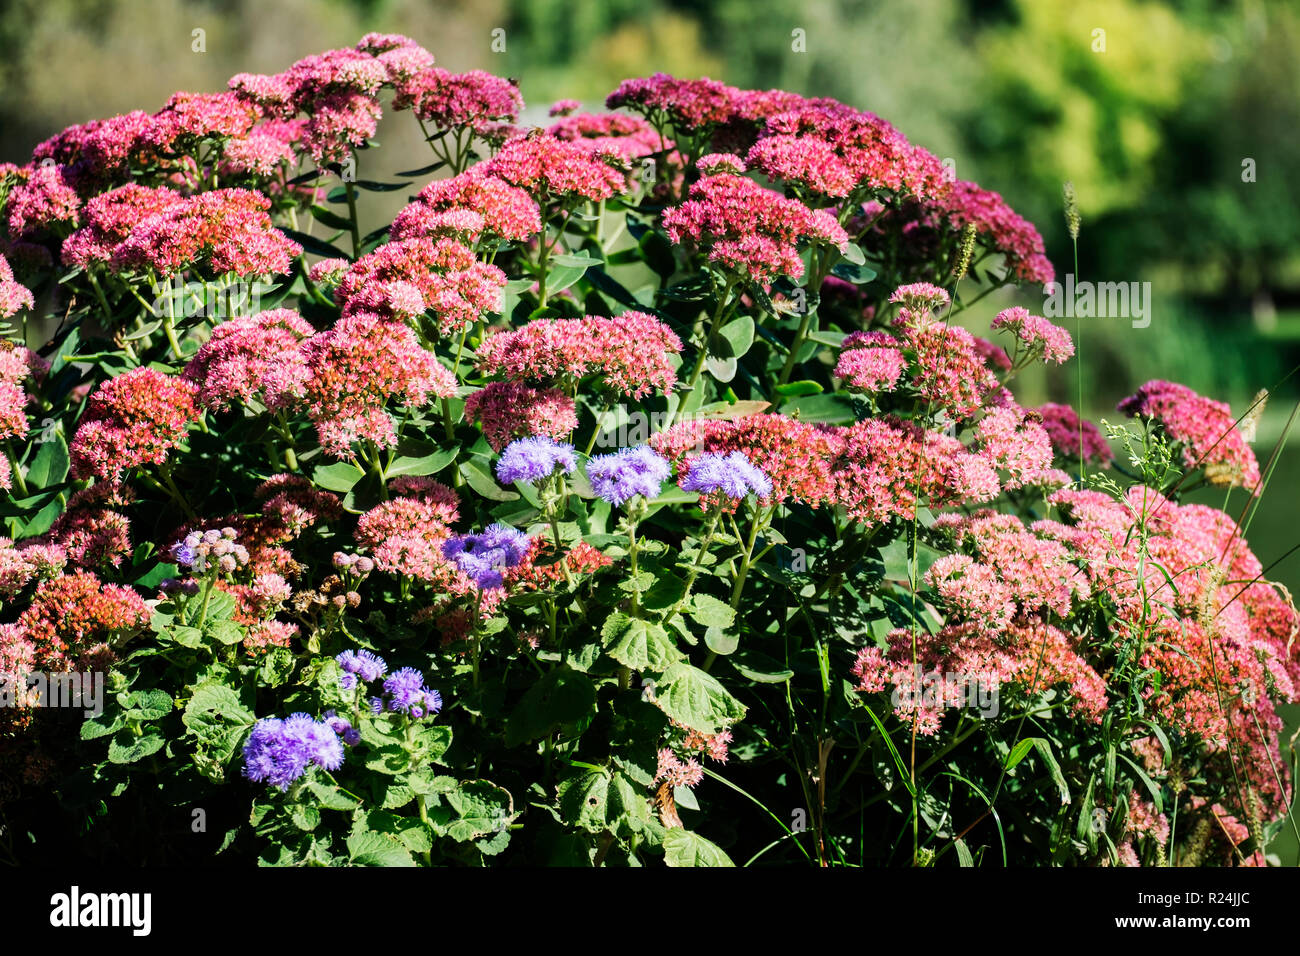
column 633, row 497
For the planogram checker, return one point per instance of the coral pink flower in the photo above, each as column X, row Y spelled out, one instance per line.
column 552, row 169
column 226, row 230
column 448, row 280
column 356, row 367
column 132, row 420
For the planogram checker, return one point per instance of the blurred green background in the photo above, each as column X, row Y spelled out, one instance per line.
column 1178, row 123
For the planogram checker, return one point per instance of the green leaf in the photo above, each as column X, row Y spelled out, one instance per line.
column 853, row 254
column 429, row 464
column 598, row 800
column 340, row 476
column 50, row 466
column 739, row 335
column 331, row 219
column 149, row 704
column 96, row 727
column 640, row 645
column 128, row 748
column 797, row 389
column 483, row 483
column 710, row 612
column 475, row 809
column 217, row 718
column 224, row 632
column 1054, row 768
column 721, row 642
column 368, row 848
column 695, row 698
column 1019, row 752
column 684, row 848
column 331, row 797
column 562, row 699
column 315, row 246
column 759, row 667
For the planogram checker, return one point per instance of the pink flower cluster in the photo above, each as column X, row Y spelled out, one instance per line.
column 13, row 296
column 509, row 410
column 1205, row 429
column 356, row 368
column 631, row 353
column 551, row 169
column 1036, row 334
column 449, row 100
column 751, row 231
column 505, row 211
column 225, row 231
column 403, row 279
column 253, row 357
column 132, row 420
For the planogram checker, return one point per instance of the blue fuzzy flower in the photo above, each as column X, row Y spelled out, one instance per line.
column 532, row 459
column 733, row 475
column 627, row 473
column 485, row 557
column 278, row 752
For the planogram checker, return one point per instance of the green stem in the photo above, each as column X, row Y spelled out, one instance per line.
column 16, row 470
column 714, row 324
column 352, row 217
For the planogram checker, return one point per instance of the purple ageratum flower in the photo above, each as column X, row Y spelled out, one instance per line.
column 627, row 473
column 362, row 664
column 532, row 459
column 408, row 695
column 278, row 752
column 484, row 557
column 734, row 475
column 341, row 726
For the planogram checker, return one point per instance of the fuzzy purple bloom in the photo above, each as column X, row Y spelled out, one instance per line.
column 362, row 664
column 532, row 459
column 484, row 557
column 627, row 473
column 278, row 752
column 734, row 475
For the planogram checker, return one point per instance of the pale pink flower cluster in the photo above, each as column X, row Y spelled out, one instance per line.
column 13, row 296
column 506, row 211
column 253, row 357
column 1036, row 333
